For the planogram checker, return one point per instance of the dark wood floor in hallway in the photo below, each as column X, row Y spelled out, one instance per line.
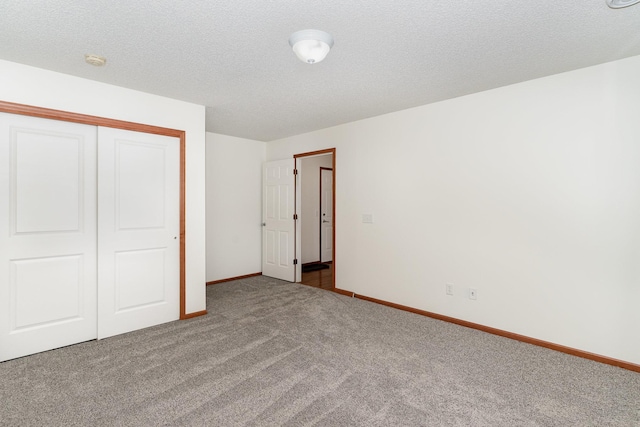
column 319, row 279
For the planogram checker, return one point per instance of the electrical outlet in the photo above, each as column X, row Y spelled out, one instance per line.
column 473, row 294
column 449, row 288
column 367, row 218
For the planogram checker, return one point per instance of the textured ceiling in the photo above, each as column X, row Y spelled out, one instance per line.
column 234, row 57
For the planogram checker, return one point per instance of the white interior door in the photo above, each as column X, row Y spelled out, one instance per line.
column 47, row 234
column 278, row 225
column 326, row 216
column 138, row 231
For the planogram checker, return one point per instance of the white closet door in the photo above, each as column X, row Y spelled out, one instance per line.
column 326, row 209
column 47, row 234
column 138, row 230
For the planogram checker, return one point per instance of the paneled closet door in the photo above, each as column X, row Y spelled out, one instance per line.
column 138, row 230
column 47, row 234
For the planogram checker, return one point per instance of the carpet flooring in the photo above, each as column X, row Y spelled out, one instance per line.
column 271, row 353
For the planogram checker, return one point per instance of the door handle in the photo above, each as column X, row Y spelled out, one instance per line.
column 324, row 220
column 264, row 224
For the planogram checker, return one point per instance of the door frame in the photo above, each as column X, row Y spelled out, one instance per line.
column 320, row 216
column 65, row 116
column 331, row 151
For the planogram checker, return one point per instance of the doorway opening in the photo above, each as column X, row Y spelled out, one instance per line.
column 315, row 209
column 33, row 111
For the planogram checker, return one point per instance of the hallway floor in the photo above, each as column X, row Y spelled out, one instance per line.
column 322, row 279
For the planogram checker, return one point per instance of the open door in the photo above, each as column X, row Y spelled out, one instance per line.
column 278, row 224
column 326, row 215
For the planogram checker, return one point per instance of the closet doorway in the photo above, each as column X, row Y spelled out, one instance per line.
column 93, row 234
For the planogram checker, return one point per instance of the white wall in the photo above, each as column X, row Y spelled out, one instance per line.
column 37, row 87
column 309, row 172
column 234, row 204
column 529, row 193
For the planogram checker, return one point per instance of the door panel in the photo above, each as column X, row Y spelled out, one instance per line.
column 141, row 188
column 47, row 234
column 326, row 209
column 40, row 154
column 278, row 224
column 32, row 293
column 138, row 232
column 140, row 279
column 270, row 247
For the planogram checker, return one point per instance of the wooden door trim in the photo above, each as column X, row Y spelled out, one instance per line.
column 331, row 151
column 317, row 153
column 65, row 116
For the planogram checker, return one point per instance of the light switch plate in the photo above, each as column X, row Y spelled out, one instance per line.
column 367, row 218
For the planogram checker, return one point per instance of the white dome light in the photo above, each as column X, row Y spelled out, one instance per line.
column 311, row 46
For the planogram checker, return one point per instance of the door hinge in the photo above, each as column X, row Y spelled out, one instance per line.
column 295, row 216
column 295, row 171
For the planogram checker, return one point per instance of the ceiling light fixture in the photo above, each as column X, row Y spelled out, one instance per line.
column 617, row 4
column 95, row 60
column 311, row 46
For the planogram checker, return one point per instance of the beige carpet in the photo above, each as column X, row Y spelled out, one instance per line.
column 272, row 353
